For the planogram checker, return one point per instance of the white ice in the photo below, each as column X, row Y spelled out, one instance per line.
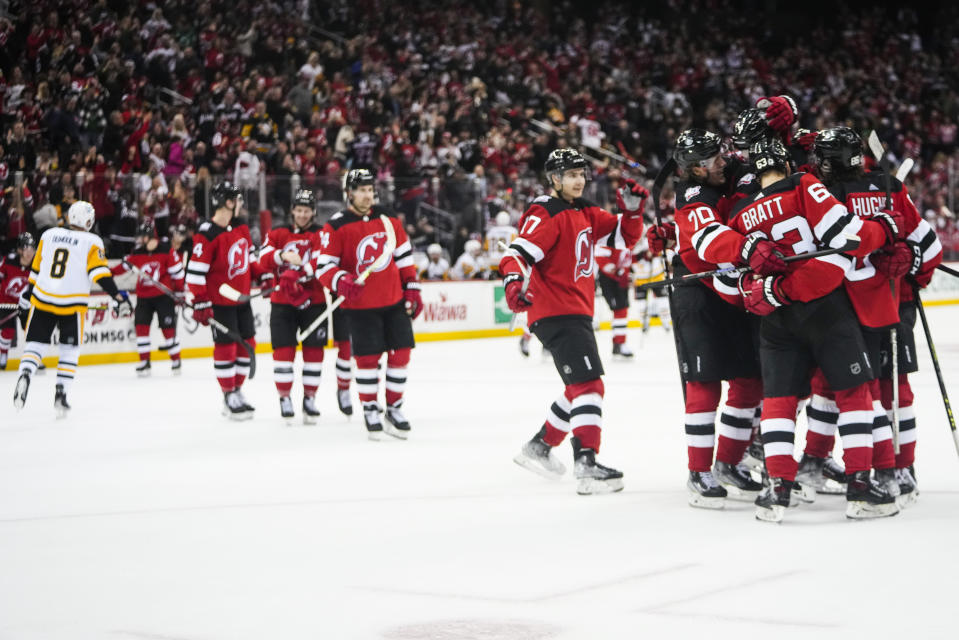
column 145, row 515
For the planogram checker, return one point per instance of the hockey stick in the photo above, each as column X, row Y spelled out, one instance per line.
column 904, row 169
column 851, row 243
column 219, row 326
column 948, row 270
column 935, row 364
column 875, row 146
column 230, row 293
column 380, row 261
column 527, row 276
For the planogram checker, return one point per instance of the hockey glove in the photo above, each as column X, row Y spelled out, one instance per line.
column 895, row 262
column 292, row 289
column 345, row 285
column 661, row 237
column 762, row 296
column 781, row 112
column 414, row 301
column 806, row 138
column 893, row 224
column 631, row 198
column 121, row 305
column 203, row 312
column 517, row 300
column 762, row 256
column 267, row 283
column 916, row 275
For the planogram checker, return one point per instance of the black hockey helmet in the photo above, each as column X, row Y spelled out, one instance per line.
column 768, row 153
column 305, row 198
column 146, row 228
column 561, row 160
column 356, row 178
column 695, row 147
column 26, row 240
column 838, row 149
column 749, row 127
column 222, row 192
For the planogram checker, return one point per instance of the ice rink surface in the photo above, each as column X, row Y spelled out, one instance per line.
column 145, row 515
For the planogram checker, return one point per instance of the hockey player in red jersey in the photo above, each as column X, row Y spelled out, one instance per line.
column 555, row 246
column 156, row 262
column 808, row 320
column 380, row 310
column 874, row 287
column 221, row 254
column 14, row 278
column 615, row 278
column 297, row 302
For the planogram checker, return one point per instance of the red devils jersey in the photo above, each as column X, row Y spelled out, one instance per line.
column 557, row 239
column 350, row 243
column 615, row 263
column 161, row 265
column 219, row 255
column 305, row 242
column 13, row 280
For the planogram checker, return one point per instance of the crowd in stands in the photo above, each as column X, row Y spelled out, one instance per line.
column 140, row 107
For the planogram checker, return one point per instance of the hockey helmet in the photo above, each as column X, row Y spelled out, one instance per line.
column 502, row 219
column 81, row 215
column 837, row 149
column 767, row 154
column 696, row 147
column 356, row 178
column 434, row 250
column 749, row 127
column 222, row 192
column 26, row 240
column 561, row 160
column 146, row 228
column 472, row 247
column 305, row 198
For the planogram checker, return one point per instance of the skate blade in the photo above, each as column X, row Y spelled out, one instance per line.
column 700, row 501
column 62, row 413
column 538, row 469
column 831, row 488
column 309, row 420
column 595, row 486
column 238, row 417
column 775, row 513
column 178, row 371
column 288, row 421
column 740, row 495
column 399, row 434
column 802, row 495
column 143, row 374
column 866, row 511
column 907, row 499
column 376, row 436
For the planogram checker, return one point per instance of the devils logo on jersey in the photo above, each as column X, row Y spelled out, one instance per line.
column 368, row 250
column 300, row 247
column 239, row 258
column 150, row 273
column 15, row 286
column 584, row 254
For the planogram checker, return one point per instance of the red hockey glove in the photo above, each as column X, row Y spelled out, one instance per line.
column 292, row 289
column 345, row 285
column 781, row 112
column 518, row 302
column 267, row 283
column 806, row 139
column 661, row 237
column 203, row 312
column 631, row 198
column 895, row 262
column 413, row 298
column 762, row 296
column 893, row 224
column 762, row 256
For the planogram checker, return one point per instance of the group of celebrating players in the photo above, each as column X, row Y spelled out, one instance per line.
column 794, row 268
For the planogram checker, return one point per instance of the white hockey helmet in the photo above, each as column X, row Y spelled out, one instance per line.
column 502, row 219
column 434, row 250
column 472, row 247
column 81, row 214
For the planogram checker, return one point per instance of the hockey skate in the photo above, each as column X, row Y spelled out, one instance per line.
column 344, row 402
column 802, row 493
column 21, row 390
column 591, row 476
column 736, row 480
column 143, row 369
column 887, row 478
column 908, row 488
column 243, row 402
column 537, row 456
column 396, row 423
column 374, row 425
column 773, row 500
column 233, row 407
column 622, row 350
column 286, row 409
column 60, row 402
column 823, row 475
column 755, row 459
column 310, row 412
column 176, row 367
column 866, row 498
column 524, row 346
column 704, row 491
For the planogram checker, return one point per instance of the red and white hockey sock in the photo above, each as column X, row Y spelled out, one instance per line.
column 67, row 365
column 586, row 412
column 396, row 365
column 557, row 421
column 343, row 371
column 243, row 362
column 6, row 339
column 171, row 345
column 283, row 369
column 224, row 362
column 619, row 325
column 143, row 340
column 883, row 453
column 312, row 369
column 907, row 419
column 822, row 416
column 32, row 357
column 702, row 400
column 778, row 426
column 367, row 378
column 736, row 419
column 855, row 427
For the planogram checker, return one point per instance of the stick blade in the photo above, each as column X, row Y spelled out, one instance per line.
column 875, row 146
column 904, row 169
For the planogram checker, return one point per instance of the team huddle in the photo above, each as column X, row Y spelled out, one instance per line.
column 794, row 269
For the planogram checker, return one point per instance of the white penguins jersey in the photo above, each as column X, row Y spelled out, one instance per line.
column 66, row 264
